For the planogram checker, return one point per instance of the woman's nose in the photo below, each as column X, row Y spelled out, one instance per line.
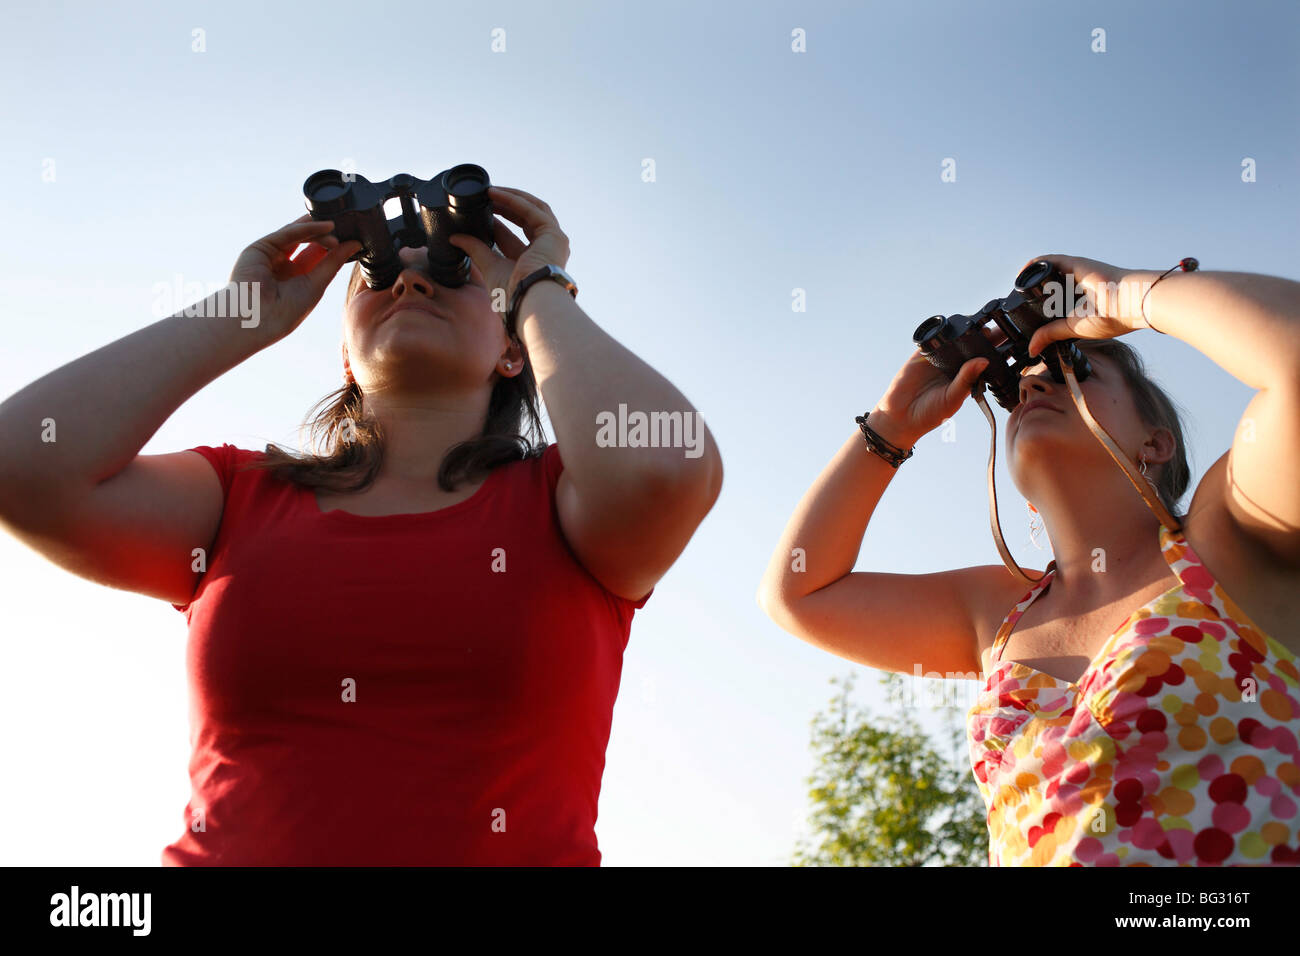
column 412, row 278
column 1039, row 382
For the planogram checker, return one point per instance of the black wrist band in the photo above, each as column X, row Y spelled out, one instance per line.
column 526, row 283
column 886, row 450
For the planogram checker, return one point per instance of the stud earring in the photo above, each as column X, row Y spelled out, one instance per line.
column 509, row 366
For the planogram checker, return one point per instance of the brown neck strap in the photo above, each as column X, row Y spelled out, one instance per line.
column 1140, row 483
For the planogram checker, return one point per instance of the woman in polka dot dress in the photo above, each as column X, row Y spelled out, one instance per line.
column 1178, row 744
column 1140, row 704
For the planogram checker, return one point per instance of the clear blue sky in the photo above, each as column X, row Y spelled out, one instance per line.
column 775, row 170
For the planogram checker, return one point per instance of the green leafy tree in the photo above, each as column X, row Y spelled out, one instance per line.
column 883, row 795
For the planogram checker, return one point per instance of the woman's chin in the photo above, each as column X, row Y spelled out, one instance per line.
column 404, row 338
column 417, row 354
column 1031, row 445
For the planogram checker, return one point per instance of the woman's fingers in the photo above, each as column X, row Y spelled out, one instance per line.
column 326, row 266
column 313, row 256
column 957, row 390
column 474, row 247
column 277, row 247
column 511, row 246
column 318, row 265
column 298, row 231
column 541, row 204
column 523, row 210
column 1045, row 335
column 307, row 259
column 967, row 375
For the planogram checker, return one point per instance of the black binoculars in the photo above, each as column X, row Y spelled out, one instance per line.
column 950, row 341
column 455, row 200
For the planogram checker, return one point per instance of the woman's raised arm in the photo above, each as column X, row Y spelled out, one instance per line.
column 627, row 511
column 894, row 622
column 1247, row 324
column 73, row 485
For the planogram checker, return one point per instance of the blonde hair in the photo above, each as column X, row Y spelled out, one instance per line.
column 1157, row 410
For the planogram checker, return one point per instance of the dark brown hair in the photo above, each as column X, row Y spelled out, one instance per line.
column 352, row 443
column 1157, row 410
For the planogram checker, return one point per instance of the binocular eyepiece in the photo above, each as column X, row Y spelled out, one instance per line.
column 455, row 200
column 950, row 341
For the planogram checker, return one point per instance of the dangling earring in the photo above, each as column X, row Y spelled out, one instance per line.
column 1143, row 469
column 1035, row 526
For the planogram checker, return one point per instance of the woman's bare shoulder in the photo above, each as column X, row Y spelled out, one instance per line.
column 991, row 591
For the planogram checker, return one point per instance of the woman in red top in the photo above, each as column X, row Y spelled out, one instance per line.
column 404, row 650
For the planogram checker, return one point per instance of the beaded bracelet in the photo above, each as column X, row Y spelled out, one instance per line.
column 890, row 452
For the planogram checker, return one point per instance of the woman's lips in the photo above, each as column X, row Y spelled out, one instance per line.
column 1033, row 407
column 412, row 307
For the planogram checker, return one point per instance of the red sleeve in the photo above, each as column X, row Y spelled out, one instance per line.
column 222, row 459
column 552, row 465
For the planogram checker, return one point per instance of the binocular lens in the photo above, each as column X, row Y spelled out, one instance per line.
column 466, row 181
column 931, row 328
column 465, row 187
column 1033, row 275
column 325, row 191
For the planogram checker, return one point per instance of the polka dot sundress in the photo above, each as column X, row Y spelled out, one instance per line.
column 1176, row 747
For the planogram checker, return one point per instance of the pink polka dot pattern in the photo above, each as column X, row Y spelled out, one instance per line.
column 1178, row 745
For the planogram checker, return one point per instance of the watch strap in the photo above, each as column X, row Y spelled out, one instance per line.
column 545, row 272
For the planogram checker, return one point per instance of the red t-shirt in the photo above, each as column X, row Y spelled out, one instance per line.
column 419, row 689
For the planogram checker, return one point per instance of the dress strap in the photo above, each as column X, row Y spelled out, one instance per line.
column 1196, row 579
column 1009, row 622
